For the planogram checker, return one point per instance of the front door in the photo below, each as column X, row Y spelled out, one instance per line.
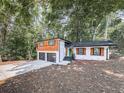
column 69, row 52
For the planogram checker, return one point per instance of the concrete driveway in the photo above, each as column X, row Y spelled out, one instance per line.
column 11, row 70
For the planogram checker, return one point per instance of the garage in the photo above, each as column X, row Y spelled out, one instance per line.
column 42, row 56
column 51, row 57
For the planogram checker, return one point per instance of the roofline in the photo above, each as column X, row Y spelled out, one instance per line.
column 56, row 38
column 95, row 45
column 107, row 43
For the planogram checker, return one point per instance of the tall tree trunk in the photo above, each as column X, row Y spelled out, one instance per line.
column 29, row 51
column 4, row 34
column 0, row 59
column 95, row 30
column 106, row 28
column 29, row 55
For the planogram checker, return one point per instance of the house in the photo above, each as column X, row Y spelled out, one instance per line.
column 58, row 49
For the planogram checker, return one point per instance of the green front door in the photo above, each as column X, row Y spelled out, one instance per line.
column 69, row 53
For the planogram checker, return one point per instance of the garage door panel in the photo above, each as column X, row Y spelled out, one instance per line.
column 42, row 56
column 51, row 57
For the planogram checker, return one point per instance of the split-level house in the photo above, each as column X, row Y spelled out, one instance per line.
column 58, row 49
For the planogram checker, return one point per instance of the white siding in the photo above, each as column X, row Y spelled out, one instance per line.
column 90, row 57
column 108, row 53
column 37, row 55
column 62, row 50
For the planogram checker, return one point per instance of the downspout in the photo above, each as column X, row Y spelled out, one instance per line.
column 59, row 50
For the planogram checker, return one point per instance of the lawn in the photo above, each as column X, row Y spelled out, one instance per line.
column 77, row 77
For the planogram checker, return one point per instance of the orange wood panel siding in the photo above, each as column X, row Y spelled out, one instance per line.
column 45, row 43
column 92, row 51
column 102, row 51
column 47, row 47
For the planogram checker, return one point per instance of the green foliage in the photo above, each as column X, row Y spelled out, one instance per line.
column 118, row 36
column 18, row 35
column 17, row 44
column 83, row 16
column 21, row 44
column 22, row 24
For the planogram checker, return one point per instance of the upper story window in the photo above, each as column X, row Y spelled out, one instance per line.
column 51, row 42
column 41, row 44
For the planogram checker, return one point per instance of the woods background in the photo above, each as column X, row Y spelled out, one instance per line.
column 25, row 22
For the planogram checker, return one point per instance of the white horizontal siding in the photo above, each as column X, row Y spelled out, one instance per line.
column 62, row 50
column 88, row 56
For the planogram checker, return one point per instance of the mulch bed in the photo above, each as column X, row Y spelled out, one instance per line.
column 74, row 78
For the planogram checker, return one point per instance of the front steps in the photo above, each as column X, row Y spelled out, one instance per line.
column 67, row 58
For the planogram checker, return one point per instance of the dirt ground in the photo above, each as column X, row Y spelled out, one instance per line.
column 77, row 77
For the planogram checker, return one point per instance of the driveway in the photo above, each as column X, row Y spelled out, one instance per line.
column 11, row 70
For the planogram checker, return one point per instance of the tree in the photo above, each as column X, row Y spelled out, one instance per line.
column 83, row 16
column 16, row 14
column 117, row 36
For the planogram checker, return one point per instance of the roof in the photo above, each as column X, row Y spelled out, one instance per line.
column 57, row 38
column 85, row 43
column 93, row 43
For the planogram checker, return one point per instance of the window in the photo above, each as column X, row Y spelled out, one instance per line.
column 51, row 42
column 97, row 51
column 81, row 51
